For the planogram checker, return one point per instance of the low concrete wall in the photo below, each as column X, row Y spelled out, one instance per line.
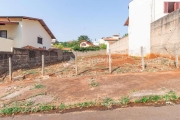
column 90, row 53
column 5, row 44
column 121, row 46
column 4, row 61
column 26, row 58
column 165, row 34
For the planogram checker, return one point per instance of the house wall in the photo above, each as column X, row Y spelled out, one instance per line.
column 158, row 9
column 31, row 31
column 141, row 14
column 121, row 46
column 81, row 44
column 165, row 33
column 6, row 44
column 14, row 32
column 11, row 30
column 139, row 26
column 18, row 37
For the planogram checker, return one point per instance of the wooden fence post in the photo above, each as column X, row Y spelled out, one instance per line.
column 176, row 55
column 10, row 68
column 142, row 57
column 42, row 64
column 110, row 61
column 76, row 62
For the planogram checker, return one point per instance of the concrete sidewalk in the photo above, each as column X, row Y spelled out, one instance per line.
column 137, row 113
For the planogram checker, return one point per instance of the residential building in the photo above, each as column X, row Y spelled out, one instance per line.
column 53, row 41
column 21, row 31
column 85, row 43
column 141, row 14
column 110, row 40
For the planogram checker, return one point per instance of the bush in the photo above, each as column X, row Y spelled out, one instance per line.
column 91, row 48
column 58, row 46
column 108, row 102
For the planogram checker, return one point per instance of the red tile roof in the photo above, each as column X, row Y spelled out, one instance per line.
column 127, row 22
column 67, row 49
column 111, row 39
column 89, row 43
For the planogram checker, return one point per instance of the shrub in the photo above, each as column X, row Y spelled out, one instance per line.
column 108, row 102
column 46, row 107
column 124, row 100
column 62, row 106
column 38, row 86
column 94, row 84
column 84, row 49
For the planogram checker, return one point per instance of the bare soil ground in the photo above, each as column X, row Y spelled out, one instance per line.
column 73, row 90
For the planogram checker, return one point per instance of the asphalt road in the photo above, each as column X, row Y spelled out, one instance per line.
column 137, row 113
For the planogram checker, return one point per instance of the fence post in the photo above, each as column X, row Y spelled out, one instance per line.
column 176, row 55
column 76, row 62
column 42, row 64
column 110, row 61
column 142, row 57
column 10, row 68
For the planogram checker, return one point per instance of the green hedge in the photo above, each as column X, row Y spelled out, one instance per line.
column 91, row 48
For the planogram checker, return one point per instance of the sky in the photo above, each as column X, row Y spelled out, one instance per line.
column 68, row 19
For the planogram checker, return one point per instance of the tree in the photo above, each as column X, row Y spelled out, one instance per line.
column 70, row 44
column 58, row 46
column 83, row 37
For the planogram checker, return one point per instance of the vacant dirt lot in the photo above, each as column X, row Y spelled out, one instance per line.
column 93, row 82
column 69, row 90
column 96, row 65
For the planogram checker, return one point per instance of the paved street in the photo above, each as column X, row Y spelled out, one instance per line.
column 138, row 113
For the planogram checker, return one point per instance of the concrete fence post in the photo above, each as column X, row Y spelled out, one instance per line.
column 10, row 68
column 142, row 58
column 176, row 56
column 76, row 63
column 42, row 64
column 110, row 61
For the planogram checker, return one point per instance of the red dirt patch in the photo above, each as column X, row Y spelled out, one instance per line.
column 78, row 89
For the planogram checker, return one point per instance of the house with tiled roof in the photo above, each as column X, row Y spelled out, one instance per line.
column 110, row 40
column 21, row 31
column 85, row 43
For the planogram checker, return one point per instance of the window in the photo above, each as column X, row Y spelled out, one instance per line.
column 40, row 40
column 44, row 47
column 83, row 44
column 171, row 6
column 3, row 33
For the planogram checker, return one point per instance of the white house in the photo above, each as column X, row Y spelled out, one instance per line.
column 109, row 40
column 20, row 31
column 141, row 14
column 53, row 41
column 85, row 43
